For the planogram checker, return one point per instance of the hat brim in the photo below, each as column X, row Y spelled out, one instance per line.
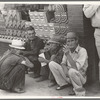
column 51, row 41
column 12, row 46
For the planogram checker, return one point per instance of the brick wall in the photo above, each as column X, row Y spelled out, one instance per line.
column 75, row 17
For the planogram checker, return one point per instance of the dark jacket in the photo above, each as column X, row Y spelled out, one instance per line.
column 32, row 48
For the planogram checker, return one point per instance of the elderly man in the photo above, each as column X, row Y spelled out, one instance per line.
column 55, row 51
column 32, row 50
column 12, row 68
column 73, row 66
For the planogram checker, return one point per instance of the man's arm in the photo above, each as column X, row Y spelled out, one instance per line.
column 90, row 10
column 71, row 61
column 82, row 58
column 43, row 60
column 34, row 51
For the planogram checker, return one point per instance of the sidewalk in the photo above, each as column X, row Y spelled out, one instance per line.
column 38, row 89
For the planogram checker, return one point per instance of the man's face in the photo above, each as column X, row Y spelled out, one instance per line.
column 71, row 43
column 71, row 40
column 31, row 34
column 53, row 45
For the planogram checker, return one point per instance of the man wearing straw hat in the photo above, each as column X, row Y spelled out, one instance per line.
column 12, row 68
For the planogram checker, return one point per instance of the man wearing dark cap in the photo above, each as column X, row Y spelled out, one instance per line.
column 72, row 69
column 32, row 48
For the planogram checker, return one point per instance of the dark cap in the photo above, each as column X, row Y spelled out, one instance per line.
column 71, row 35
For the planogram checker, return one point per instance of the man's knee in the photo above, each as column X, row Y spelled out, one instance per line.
column 71, row 72
column 54, row 65
column 51, row 64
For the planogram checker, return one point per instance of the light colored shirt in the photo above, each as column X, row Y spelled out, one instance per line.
column 80, row 57
column 93, row 12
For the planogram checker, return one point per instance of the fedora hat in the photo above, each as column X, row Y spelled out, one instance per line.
column 18, row 44
column 56, row 39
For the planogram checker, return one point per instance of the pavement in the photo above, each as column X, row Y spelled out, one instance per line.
column 41, row 90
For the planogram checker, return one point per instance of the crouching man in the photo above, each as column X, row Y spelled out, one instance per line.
column 12, row 68
column 72, row 69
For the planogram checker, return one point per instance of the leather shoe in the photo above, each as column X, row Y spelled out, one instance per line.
column 71, row 92
column 36, row 76
column 62, row 87
column 41, row 79
column 17, row 90
column 52, row 83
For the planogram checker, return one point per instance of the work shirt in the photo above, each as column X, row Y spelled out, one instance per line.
column 80, row 57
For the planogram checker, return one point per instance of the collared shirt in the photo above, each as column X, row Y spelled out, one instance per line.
column 80, row 57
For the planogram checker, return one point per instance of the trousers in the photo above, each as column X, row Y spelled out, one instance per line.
column 64, row 76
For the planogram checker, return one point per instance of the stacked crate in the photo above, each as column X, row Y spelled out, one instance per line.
column 41, row 25
column 2, row 26
column 61, row 20
column 15, row 27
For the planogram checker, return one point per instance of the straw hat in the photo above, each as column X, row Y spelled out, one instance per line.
column 18, row 44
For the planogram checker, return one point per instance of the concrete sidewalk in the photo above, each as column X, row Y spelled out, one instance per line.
column 41, row 89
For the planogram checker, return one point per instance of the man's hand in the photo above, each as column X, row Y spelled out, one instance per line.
column 64, row 66
column 27, row 63
column 66, row 50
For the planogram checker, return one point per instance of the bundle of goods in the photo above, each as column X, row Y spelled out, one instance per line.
column 41, row 25
column 15, row 26
column 2, row 26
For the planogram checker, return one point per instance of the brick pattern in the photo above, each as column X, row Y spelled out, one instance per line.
column 75, row 21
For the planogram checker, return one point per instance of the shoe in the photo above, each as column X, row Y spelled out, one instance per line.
column 52, row 83
column 31, row 74
column 26, row 72
column 71, row 92
column 17, row 90
column 41, row 79
column 36, row 76
column 62, row 87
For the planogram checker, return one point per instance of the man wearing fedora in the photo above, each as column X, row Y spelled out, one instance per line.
column 32, row 49
column 44, row 58
column 12, row 68
column 72, row 69
column 55, row 49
